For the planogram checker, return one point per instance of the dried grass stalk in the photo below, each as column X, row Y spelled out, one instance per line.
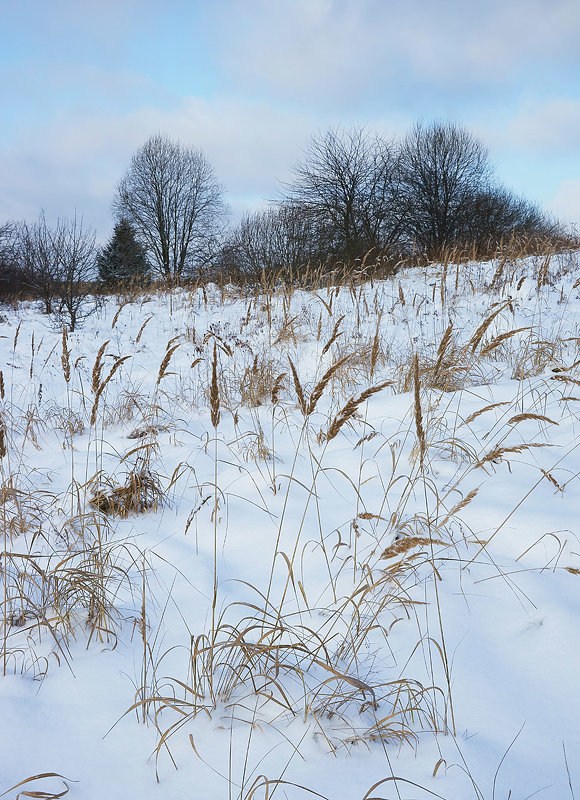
column 375, row 350
column 456, row 509
column 116, row 317
column 499, row 452
column 539, row 417
column 142, row 328
column 349, row 410
column 167, row 358
column 2, row 391
column 498, row 273
column 277, row 388
column 334, row 336
column 298, row 388
column 478, row 335
column 65, row 355
column 480, row 411
column 214, row 394
column 103, row 385
column 442, row 349
column 3, row 448
column 97, row 367
column 553, row 481
column 418, row 413
column 406, row 543
column 323, row 382
column 500, row 339
column 565, row 379
column 43, row 794
column 543, row 272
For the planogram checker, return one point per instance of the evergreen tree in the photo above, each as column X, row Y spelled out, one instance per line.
column 124, row 258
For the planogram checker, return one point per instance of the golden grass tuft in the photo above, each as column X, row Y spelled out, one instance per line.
column 140, row 493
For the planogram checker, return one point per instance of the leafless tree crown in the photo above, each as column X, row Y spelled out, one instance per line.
column 443, row 167
column 348, row 181
column 172, row 198
column 57, row 264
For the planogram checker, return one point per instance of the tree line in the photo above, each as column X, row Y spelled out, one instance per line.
column 353, row 196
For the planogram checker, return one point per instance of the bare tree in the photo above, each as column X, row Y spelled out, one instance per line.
column 39, row 257
column 349, row 181
column 280, row 238
column 76, row 258
column 496, row 214
column 172, row 198
column 11, row 278
column 57, row 264
column 443, row 168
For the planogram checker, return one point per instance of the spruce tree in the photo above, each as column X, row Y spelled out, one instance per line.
column 124, row 258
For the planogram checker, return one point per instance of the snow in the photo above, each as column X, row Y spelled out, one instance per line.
column 469, row 638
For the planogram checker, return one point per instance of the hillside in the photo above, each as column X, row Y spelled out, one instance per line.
column 297, row 543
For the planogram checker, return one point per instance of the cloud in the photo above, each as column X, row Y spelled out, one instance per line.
column 248, row 81
column 334, row 52
column 76, row 162
column 547, row 127
column 566, row 203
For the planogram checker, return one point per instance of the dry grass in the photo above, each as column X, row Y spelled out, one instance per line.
column 140, row 493
column 297, row 649
column 348, row 411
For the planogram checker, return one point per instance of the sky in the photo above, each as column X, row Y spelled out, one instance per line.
column 84, row 84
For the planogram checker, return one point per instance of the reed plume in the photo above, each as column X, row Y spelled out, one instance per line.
column 323, row 382
column 65, row 356
column 349, row 410
column 298, row 388
column 214, row 394
column 418, row 412
column 442, row 349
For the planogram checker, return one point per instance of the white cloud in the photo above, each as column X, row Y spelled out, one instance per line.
column 76, row 162
column 566, row 203
column 547, row 127
column 337, row 52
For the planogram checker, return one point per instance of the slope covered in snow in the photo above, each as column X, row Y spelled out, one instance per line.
column 282, row 543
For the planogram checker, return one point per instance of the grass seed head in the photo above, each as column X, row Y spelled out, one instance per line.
column 214, row 390
column 418, row 413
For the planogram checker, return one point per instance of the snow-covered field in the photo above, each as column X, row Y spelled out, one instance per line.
column 228, row 571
